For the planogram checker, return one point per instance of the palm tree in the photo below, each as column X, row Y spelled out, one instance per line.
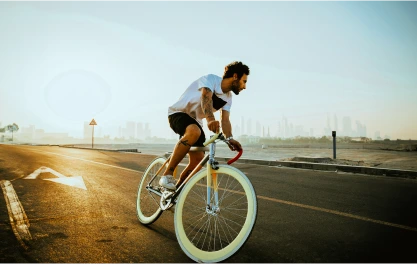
column 12, row 128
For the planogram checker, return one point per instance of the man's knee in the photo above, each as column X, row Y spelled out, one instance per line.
column 192, row 133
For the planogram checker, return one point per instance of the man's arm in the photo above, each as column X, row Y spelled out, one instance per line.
column 227, row 129
column 207, row 106
column 226, row 125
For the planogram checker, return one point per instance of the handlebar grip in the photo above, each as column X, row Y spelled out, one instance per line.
column 211, row 140
column 235, row 158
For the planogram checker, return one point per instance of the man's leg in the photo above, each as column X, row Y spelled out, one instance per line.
column 194, row 159
column 191, row 135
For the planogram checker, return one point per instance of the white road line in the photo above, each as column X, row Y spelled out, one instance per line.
column 104, row 164
column 17, row 216
column 280, row 201
column 337, row 213
column 100, row 163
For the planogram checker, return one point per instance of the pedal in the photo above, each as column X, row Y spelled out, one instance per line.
column 165, row 202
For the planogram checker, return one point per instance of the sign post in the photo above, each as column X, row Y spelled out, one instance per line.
column 93, row 123
column 334, row 144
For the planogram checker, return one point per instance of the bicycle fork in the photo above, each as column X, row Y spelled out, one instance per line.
column 212, row 208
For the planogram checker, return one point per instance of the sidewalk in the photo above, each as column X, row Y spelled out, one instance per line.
column 372, row 162
column 328, row 164
column 313, row 164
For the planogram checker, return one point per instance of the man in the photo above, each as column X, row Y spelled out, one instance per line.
column 202, row 98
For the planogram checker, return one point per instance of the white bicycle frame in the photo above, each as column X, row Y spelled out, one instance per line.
column 211, row 176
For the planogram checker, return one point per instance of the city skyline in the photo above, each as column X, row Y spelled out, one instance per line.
column 65, row 63
column 284, row 129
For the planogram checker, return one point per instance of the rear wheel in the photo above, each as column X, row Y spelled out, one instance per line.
column 147, row 206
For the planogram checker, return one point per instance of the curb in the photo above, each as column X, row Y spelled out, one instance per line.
column 326, row 167
column 301, row 165
column 331, row 167
column 113, row 150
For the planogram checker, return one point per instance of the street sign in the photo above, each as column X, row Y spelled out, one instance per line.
column 93, row 122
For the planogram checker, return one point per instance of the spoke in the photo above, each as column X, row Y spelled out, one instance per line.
column 227, row 231
column 218, row 232
column 226, row 219
column 195, row 224
column 202, row 232
column 235, row 201
column 150, row 194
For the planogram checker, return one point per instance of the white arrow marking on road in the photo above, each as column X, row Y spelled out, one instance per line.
column 75, row 181
column 42, row 169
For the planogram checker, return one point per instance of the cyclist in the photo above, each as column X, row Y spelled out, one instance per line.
column 201, row 99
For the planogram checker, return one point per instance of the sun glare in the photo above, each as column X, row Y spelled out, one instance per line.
column 77, row 95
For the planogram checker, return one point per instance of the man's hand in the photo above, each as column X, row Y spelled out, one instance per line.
column 214, row 126
column 234, row 145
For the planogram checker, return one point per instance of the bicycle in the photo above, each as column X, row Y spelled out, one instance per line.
column 215, row 207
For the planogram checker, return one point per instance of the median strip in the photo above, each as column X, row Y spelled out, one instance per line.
column 17, row 215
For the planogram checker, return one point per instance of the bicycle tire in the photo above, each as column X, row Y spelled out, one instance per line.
column 193, row 222
column 147, row 203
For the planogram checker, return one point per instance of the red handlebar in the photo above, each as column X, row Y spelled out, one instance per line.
column 235, row 158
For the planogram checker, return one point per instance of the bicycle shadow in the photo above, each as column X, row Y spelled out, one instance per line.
column 164, row 226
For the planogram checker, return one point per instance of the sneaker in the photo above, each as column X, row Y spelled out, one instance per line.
column 168, row 182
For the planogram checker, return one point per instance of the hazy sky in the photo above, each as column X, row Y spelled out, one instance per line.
column 64, row 63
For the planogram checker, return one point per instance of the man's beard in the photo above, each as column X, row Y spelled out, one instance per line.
column 235, row 87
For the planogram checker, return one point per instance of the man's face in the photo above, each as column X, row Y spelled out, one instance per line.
column 239, row 85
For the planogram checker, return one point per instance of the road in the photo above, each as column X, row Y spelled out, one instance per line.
column 303, row 215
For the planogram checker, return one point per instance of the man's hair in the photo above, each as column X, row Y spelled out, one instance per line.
column 235, row 67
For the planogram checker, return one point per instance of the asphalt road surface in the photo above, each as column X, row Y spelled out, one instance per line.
column 80, row 206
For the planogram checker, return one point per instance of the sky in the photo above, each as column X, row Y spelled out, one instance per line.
column 65, row 63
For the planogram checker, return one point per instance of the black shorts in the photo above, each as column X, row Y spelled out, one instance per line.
column 180, row 121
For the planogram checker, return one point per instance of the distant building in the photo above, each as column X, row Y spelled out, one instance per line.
column 249, row 127
column 347, row 126
column 377, row 135
column 285, row 128
column 143, row 131
column 147, row 131
column 258, row 129
column 253, row 139
column 140, row 131
column 236, row 131
column 328, row 129
column 42, row 135
column 242, row 125
column 360, row 129
column 299, row 131
column 336, row 125
column 88, row 130
column 130, row 131
column 27, row 133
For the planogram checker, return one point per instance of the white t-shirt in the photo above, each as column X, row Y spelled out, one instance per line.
column 190, row 100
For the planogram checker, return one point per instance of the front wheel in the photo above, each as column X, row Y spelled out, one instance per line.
column 147, row 206
column 208, row 231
